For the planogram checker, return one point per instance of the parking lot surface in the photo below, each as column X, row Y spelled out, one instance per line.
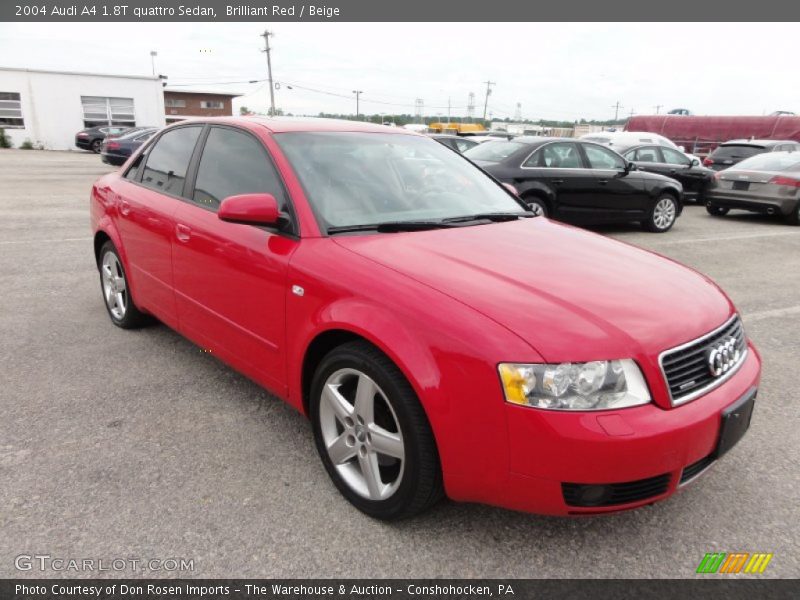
column 137, row 444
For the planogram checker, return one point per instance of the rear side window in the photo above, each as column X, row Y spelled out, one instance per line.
column 233, row 163
column 649, row 154
column 734, row 151
column 560, row 156
column 168, row 161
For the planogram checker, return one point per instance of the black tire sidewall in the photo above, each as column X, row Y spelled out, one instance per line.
column 401, row 396
column 97, row 146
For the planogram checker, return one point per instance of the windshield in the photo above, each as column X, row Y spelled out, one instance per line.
column 493, row 151
column 354, row 179
column 771, row 161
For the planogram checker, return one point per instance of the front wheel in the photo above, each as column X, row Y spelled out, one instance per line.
column 372, row 434
column 97, row 146
column 663, row 215
column 717, row 211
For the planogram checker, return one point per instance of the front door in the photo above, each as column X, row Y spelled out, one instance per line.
column 618, row 193
column 230, row 279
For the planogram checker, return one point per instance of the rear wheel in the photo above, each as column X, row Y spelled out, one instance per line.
column 116, row 291
column 717, row 211
column 793, row 218
column 537, row 206
column 663, row 214
column 372, row 434
column 97, row 146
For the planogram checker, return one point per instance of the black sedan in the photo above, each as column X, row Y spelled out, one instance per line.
column 581, row 182
column 116, row 150
column 454, row 142
column 694, row 177
column 92, row 138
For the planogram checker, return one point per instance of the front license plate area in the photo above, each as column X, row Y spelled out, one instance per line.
column 735, row 422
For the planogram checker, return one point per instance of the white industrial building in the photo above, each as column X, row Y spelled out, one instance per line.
column 50, row 107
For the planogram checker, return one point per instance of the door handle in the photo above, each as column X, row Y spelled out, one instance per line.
column 673, row 171
column 602, row 181
column 183, row 233
column 124, row 207
column 557, row 180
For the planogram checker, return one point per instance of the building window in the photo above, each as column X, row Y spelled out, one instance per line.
column 10, row 110
column 212, row 104
column 99, row 111
column 174, row 103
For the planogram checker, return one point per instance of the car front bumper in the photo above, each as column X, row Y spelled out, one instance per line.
column 642, row 451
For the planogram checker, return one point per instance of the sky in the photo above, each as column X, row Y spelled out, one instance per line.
column 554, row 71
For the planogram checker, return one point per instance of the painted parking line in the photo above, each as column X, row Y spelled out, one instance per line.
column 83, row 239
column 772, row 314
column 722, row 238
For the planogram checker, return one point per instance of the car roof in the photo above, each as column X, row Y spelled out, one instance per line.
column 309, row 124
column 760, row 143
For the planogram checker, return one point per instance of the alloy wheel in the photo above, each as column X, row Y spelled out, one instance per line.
column 362, row 435
column 664, row 213
column 115, row 289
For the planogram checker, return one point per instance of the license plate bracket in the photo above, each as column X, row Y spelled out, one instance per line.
column 735, row 422
column 741, row 185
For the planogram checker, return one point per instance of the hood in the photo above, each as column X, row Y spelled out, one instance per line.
column 571, row 294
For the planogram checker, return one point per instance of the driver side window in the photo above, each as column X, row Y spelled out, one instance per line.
column 603, row 158
column 673, row 157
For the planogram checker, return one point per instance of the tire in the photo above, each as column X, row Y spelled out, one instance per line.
column 97, row 146
column 398, row 487
column 663, row 214
column 115, row 289
column 537, row 206
column 793, row 218
column 717, row 211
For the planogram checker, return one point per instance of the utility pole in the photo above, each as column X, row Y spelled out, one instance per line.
column 266, row 35
column 153, row 55
column 489, row 85
column 471, row 106
column 658, row 107
column 358, row 94
column 616, row 108
column 633, row 112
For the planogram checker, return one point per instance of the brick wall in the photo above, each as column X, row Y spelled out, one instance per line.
column 194, row 106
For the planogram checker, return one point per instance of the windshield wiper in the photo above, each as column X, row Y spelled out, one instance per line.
column 494, row 217
column 392, row 226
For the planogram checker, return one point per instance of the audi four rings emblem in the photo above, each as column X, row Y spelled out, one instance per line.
column 723, row 356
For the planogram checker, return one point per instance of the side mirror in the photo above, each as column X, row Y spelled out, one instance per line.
column 629, row 166
column 682, row 148
column 250, row 209
column 695, row 162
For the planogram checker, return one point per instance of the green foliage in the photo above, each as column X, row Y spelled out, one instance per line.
column 26, row 145
column 5, row 141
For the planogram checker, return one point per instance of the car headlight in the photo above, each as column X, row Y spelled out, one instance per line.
column 596, row 385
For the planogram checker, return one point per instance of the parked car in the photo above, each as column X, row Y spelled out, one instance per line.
column 625, row 139
column 694, row 177
column 92, row 137
column 728, row 154
column 767, row 183
column 440, row 337
column 116, row 150
column 455, row 142
column 581, row 181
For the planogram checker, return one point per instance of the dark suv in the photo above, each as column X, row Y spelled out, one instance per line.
column 730, row 153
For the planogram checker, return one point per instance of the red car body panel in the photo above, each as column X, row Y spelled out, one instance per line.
column 446, row 306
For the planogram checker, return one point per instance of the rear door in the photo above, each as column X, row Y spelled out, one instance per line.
column 561, row 167
column 230, row 279
column 618, row 193
column 147, row 198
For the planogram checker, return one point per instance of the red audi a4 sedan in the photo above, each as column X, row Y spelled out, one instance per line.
column 440, row 337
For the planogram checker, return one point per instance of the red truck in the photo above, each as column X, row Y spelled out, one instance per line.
column 700, row 134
